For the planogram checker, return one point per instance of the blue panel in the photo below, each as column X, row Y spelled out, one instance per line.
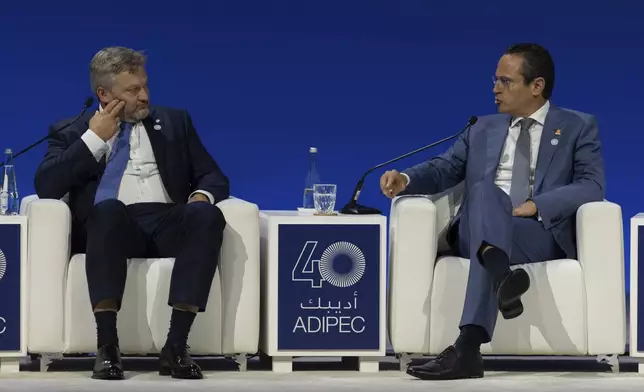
column 329, row 287
column 640, row 291
column 10, row 287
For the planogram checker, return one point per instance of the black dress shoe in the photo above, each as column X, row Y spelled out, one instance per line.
column 108, row 365
column 450, row 365
column 509, row 290
column 176, row 362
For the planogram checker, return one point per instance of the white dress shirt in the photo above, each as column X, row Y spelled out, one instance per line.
column 504, row 171
column 141, row 182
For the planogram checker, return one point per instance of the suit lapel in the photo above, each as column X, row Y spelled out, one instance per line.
column 495, row 138
column 158, row 142
column 550, row 139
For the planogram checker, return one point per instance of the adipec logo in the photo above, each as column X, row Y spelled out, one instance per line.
column 3, row 264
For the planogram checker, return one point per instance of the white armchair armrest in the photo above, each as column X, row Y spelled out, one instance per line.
column 600, row 250
column 48, row 243
column 239, row 271
column 413, row 238
column 417, row 229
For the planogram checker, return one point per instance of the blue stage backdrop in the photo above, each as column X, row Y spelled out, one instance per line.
column 363, row 81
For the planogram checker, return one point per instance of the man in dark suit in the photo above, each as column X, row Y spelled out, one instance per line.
column 525, row 172
column 140, row 184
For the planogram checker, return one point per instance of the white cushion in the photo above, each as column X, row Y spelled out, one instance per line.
column 144, row 318
column 573, row 307
column 60, row 316
column 553, row 321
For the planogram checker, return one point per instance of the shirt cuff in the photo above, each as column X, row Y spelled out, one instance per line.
column 538, row 212
column 209, row 195
column 95, row 144
column 407, row 177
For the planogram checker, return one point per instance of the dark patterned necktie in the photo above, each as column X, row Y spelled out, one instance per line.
column 520, row 186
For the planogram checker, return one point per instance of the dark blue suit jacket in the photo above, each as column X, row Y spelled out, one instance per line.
column 569, row 172
column 184, row 165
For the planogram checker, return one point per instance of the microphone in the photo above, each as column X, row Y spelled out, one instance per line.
column 352, row 208
column 88, row 102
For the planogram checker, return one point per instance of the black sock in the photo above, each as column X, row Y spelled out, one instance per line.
column 471, row 338
column 180, row 324
column 496, row 261
column 106, row 328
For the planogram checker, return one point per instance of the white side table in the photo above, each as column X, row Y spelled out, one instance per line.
column 13, row 292
column 323, row 287
column 636, row 347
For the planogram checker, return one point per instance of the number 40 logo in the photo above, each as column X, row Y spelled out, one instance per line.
column 317, row 271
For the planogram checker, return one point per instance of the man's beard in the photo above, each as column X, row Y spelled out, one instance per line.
column 138, row 115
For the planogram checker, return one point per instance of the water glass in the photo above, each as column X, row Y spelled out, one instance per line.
column 324, row 198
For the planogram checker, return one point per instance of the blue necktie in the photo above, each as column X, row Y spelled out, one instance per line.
column 116, row 164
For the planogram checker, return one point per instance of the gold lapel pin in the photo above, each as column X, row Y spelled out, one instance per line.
column 558, row 132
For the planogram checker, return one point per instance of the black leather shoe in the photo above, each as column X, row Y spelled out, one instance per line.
column 108, row 365
column 509, row 290
column 450, row 365
column 176, row 362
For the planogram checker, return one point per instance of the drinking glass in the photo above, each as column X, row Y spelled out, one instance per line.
column 324, row 198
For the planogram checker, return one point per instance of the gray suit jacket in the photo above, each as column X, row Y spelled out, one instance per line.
column 569, row 173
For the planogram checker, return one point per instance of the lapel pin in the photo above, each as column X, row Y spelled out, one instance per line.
column 157, row 120
column 157, row 127
column 558, row 132
column 554, row 142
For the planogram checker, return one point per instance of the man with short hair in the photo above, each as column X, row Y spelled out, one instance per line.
column 525, row 172
column 140, row 184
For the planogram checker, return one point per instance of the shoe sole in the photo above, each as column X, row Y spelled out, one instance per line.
column 512, row 310
column 168, row 372
column 110, row 377
column 510, row 292
column 439, row 377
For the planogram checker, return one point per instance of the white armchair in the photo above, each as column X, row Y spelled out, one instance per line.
column 60, row 320
column 573, row 307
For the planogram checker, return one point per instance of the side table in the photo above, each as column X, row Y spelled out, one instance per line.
column 323, row 284
column 13, row 295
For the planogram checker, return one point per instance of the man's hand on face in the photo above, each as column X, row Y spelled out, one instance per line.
column 104, row 124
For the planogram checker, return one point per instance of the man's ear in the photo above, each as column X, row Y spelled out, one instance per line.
column 103, row 95
column 538, row 85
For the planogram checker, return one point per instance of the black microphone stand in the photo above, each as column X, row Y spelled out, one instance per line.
column 353, row 208
column 88, row 103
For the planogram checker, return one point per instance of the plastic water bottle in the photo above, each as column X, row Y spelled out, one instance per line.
column 312, row 178
column 9, row 201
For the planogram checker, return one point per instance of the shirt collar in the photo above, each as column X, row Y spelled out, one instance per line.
column 539, row 116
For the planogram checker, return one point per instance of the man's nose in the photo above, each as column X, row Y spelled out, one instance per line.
column 143, row 95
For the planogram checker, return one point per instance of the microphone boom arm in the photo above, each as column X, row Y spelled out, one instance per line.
column 88, row 103
column 353, row 208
